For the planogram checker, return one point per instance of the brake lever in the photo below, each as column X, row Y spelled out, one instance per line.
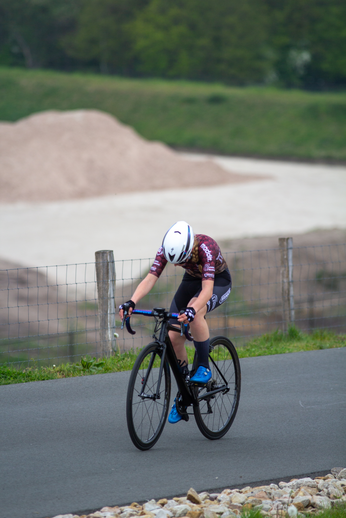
column 128, row 327
column 184, row 331
column 126, row 321
column 123, row 320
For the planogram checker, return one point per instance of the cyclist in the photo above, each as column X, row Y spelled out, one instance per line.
column 206, row 284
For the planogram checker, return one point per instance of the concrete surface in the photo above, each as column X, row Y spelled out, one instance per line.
column 295, row 198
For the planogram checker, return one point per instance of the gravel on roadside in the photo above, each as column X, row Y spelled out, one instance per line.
column 295, row 499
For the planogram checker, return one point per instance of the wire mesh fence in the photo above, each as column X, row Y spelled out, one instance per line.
column 50, row 315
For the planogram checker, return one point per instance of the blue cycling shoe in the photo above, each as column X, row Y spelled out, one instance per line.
column 174, row 416
column 202, row 375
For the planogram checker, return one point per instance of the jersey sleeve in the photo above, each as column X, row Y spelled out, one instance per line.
column 159, row 263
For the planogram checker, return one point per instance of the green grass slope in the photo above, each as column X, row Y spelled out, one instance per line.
column 262, row 122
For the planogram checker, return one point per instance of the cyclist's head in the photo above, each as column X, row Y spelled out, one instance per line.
column 178, row 243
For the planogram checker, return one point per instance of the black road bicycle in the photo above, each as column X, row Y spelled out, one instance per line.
column 148, row 397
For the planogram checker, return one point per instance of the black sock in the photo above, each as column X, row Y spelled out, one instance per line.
column 202, row 349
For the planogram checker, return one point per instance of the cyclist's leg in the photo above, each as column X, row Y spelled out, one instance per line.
column 200, row 332
column 185, row 292
column 178, row 343
column 200, row 328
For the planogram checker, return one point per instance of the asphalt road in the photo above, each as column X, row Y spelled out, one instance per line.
column 65, row 447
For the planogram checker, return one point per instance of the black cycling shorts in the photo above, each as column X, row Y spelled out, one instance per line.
column 191, row 287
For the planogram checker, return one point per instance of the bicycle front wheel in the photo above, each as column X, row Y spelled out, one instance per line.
column 219, row 399
column 148, row 397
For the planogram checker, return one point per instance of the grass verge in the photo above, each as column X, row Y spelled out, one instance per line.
column 336, row 512
column 254, row 121
column 294, row 341
column 268, row 344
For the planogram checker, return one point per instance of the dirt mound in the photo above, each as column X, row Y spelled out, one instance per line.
column 85, row 153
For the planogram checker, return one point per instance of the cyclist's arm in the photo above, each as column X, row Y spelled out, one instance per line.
column 144, row 287
column 205, row 295
column 202, row 299
column 142, row 290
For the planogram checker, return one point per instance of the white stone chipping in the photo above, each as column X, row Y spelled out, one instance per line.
column 291, row 498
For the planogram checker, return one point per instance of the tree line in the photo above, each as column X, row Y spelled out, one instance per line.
column 291, row 43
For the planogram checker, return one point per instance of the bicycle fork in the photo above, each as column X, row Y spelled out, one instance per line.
column 156, row 395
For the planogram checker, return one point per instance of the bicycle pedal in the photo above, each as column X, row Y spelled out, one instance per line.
column 198, row 384
column 194, row 383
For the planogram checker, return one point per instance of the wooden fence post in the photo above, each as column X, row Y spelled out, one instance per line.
column 105, row 278
column 286, row 252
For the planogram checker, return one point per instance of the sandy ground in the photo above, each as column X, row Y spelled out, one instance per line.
column 295, row 198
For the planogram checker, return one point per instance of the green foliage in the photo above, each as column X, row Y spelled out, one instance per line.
column 30, row 31
column 163, row 41
column 294, row 334
column 198, row 39
column 102, row 35
column 216, row 99
column 295, row 43
column 338, row 511
column 308, row 39
column 251, row 513
column 90, row 365
column 329, row 280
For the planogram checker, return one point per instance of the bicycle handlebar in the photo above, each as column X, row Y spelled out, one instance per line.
column 156, row 312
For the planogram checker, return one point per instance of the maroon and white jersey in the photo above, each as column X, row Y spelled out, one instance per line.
column 206, row 259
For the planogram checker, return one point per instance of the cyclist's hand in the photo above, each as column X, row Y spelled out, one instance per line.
column 126, row 308
column 187, row 315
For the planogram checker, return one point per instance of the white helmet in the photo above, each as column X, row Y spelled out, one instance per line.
column 178, row 243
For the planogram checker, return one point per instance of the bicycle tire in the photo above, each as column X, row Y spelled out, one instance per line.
column 146, row 416
column 215, row 414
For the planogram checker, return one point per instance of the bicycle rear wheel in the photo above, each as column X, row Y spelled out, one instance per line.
column 148, row 397
column 216, row 411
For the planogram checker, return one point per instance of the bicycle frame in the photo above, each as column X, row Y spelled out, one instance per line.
column 162, row 317
column 214, row 404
